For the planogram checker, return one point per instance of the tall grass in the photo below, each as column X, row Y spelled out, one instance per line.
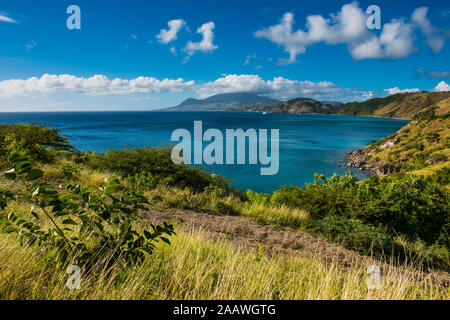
column 194, row 267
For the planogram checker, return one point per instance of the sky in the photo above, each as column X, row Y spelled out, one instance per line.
column 145, row 55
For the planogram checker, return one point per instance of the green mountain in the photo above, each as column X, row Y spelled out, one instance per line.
column 221, row 102
column 299, row 105
column 401, row 105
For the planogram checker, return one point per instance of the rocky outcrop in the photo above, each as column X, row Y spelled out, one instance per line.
column 357, row 159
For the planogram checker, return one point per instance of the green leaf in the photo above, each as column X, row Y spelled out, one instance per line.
column 10, row 229
column 34, row 214
column 17, row 156
column 147, row 235
column 34, row 174
column 69, row 221
column 165, row 240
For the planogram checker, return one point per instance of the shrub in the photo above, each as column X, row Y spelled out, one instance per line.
column 79, row 216
column 157, row 164
column 354, row 234
column 37, row 141
column 402, row 203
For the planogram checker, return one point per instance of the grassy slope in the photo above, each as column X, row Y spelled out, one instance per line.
column 194, row 267
column 406, row 106
column 423, row 146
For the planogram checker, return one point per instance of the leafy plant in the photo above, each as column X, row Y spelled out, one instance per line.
column 83, row 225
column 38, row 141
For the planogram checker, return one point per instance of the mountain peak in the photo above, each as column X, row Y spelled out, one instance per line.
column 222, row 102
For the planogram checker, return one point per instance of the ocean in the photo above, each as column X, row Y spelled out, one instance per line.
column 308, row 143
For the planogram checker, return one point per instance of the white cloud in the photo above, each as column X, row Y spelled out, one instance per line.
column 395, row 42
column 434, row 38
column 206, row 44
column 98, row 85
column 442, row 86
column 168, row 35
column 348, row 27
column 396, row 90
column 134, row 37
column 5, row 18
column 280, row 88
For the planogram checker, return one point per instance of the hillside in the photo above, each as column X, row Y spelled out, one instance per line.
column 299, row 105
column 221, row 102
column 421, row 147
column 136, row 223
column 402, row 105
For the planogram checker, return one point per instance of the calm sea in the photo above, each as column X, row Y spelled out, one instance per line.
column 308, row 143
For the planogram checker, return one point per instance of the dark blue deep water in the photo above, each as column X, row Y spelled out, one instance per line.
column 309, row 143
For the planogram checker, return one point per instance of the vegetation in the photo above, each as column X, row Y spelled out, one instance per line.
column 83, row 226
column 71, row 204
column 421, row 146
column 401, row 105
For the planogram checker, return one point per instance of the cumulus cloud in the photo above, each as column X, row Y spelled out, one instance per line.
column 396, row 90
column 280, row 88
column 442, row 86
column 206, row 44
column 100, row 85
column 395, row 42
column 97, row 85
column 349, row 26
column 434, row 38
column 168, row 35
column 5, row 18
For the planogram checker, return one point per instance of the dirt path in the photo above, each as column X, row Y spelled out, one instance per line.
column 249, row 235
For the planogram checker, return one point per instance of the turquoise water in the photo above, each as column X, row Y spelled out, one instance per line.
column 309, row 143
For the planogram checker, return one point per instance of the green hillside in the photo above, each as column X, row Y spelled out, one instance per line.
column 423, row 146
column 402, row 105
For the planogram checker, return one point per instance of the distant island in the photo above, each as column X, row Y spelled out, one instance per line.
column 407, row 106
column 221, row 102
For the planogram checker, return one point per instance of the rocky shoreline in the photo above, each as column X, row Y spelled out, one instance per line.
column 357, row 159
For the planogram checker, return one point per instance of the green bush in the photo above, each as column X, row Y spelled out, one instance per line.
column 354, row 234
column 37, row 141
column 157, row 164
column 402, row 204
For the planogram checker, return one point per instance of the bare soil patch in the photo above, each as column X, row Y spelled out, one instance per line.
column 250, row 235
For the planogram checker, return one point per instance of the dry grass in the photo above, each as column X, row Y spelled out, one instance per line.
column 194, row 267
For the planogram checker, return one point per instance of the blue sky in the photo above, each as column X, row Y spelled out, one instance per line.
column 266, row 47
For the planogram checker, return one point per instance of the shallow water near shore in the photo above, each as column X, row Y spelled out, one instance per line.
column 309, row 143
